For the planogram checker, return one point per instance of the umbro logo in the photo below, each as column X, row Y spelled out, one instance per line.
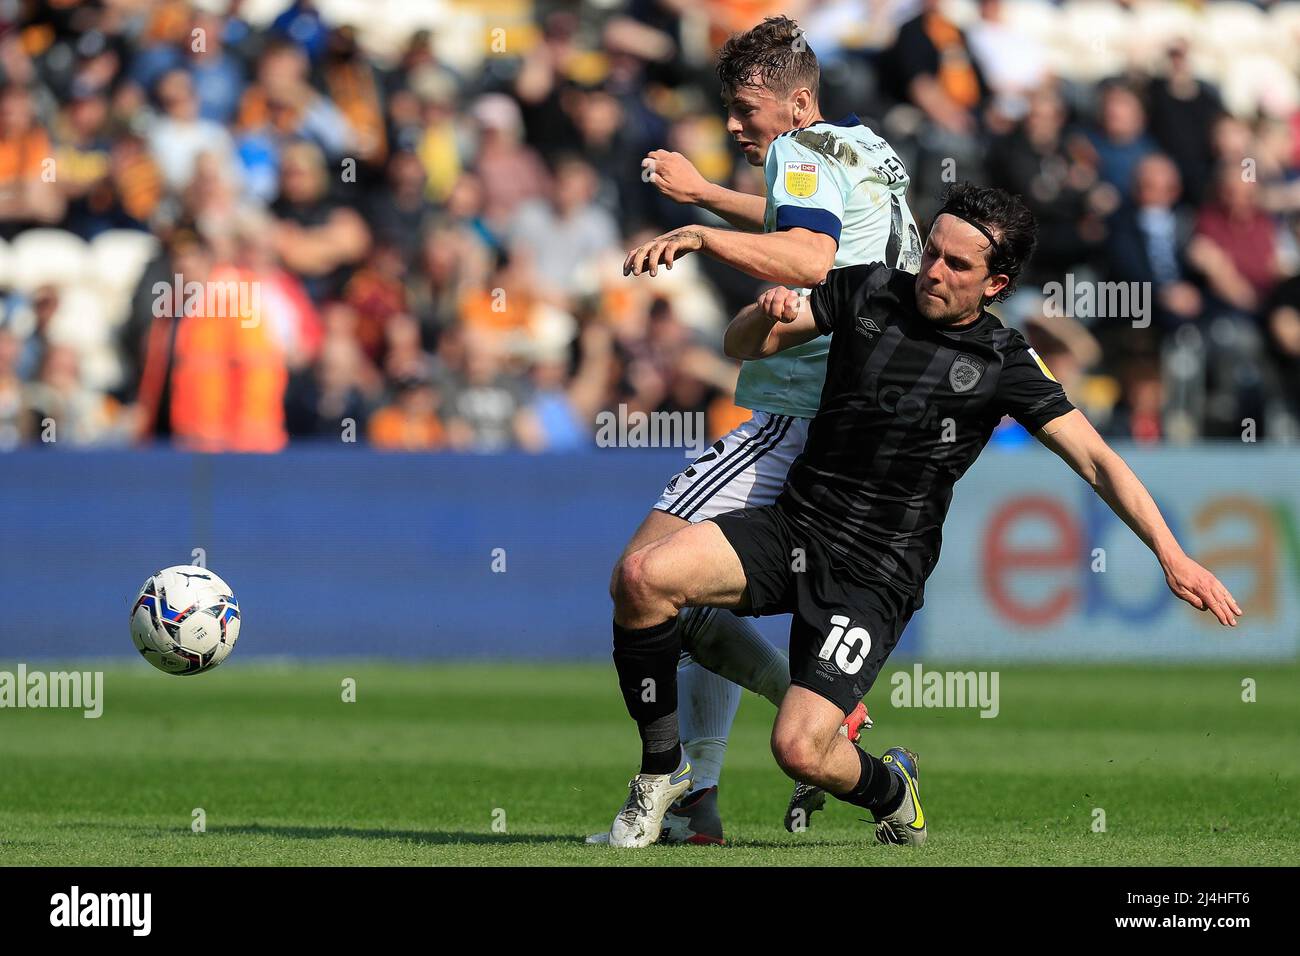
column 867, row 327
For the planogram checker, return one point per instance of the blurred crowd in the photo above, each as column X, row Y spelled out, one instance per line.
column 433, row 250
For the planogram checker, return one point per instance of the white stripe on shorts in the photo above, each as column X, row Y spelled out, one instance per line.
column 749, row 470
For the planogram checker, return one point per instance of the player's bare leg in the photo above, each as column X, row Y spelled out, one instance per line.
column 808, row 746
column 695, row 565
column 656, row 526
column 720, row 642
column 726, row 653
column 807, row 798
column 723, row 653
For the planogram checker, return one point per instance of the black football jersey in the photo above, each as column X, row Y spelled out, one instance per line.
column 907, row 407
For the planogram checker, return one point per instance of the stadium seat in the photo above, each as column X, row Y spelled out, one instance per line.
column 961, row 12
column 387, row 25
column 1157, row 24
column 1036, row 18
column 550, row 330
column 101, row 367
column 82, row 322
column 118, row 259
column 356, row 13
column 462, row 35
column 81, row 319
column 1284, row 32
column 1240, row 27
column 1259, row 82
column 260, row 13
column 48, row 257
column 6, row 266
column 1092, row 40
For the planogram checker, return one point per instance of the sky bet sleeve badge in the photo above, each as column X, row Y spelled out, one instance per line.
column 1043, row 365
column 800, row 179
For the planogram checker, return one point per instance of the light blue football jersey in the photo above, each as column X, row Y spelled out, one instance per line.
column 843, row 180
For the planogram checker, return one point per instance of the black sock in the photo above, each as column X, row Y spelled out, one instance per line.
column 878, row 789
column 646, row 661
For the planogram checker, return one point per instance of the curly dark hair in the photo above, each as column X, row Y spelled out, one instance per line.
column 774, row 54
column 1009, row 226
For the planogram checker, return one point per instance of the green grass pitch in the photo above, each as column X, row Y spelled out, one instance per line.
column 432, row 761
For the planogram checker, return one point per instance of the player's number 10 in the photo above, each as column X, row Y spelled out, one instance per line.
column 849, row 647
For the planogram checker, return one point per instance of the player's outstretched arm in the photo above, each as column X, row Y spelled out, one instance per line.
column 1072, row 437
column 676, row 177
column 780, row 319
column 793, row 257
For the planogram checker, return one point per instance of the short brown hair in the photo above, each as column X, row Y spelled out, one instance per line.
column 774, row 54
column 1006, row 223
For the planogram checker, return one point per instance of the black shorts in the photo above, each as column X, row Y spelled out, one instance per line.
column 844, row 625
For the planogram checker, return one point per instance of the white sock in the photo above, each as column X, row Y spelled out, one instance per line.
column 706, row 706
column 706, row 755
column 730, row 646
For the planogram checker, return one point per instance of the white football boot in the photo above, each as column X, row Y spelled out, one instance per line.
column 693, row 820
column 649, row 796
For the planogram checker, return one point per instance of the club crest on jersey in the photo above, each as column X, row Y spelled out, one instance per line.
column 800, row 179
column 965, row 373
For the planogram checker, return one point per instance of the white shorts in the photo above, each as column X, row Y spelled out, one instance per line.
column 744, row 468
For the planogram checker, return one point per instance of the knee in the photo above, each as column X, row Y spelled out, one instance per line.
column 634, row 583
column 797, row 753
column 614, row 577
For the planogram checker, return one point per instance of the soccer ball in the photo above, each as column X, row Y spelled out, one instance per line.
column 185, row 620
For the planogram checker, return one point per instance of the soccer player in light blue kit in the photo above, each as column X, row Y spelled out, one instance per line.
column 836, row 196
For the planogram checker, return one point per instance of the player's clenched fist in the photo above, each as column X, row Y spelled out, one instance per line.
column 674, row 175
column 781, row 303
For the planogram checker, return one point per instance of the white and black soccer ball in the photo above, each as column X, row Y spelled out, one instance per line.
column 185, row 620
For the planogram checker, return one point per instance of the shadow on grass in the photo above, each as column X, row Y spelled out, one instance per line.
column 426, row 837
column 441, row 837
column 423, row 837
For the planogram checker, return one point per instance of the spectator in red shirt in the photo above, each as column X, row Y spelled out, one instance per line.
column 1235, row 243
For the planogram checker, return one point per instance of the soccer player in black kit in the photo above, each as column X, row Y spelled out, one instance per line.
column 918, row 376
